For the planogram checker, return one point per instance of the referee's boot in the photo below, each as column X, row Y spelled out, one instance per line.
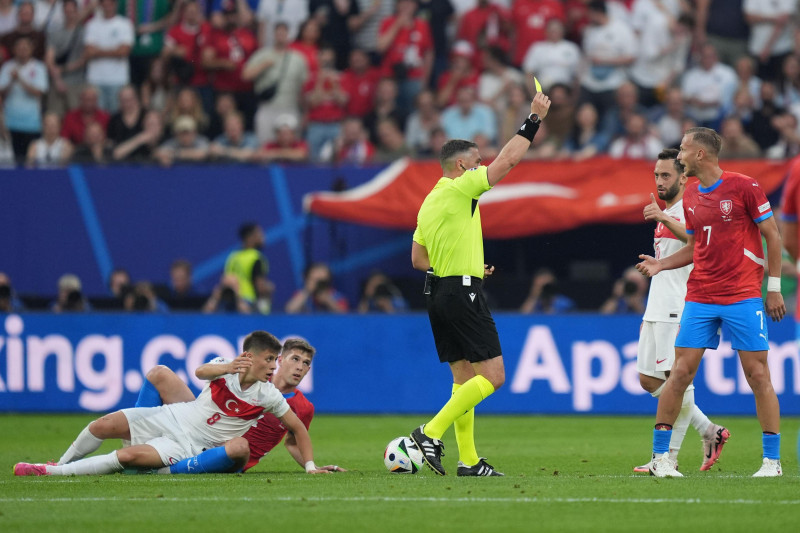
column 432, row 450
column 481, row 468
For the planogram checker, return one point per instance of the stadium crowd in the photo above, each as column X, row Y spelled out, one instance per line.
column 359, row 81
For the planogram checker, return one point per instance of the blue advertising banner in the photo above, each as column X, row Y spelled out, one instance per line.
column 365, row 363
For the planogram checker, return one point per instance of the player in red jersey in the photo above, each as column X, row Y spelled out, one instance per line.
column 163, row 385
column 726, row 215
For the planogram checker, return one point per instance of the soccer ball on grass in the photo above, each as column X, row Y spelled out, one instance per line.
column 402, row 456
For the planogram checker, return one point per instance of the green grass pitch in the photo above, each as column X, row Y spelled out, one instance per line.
column 562, row 474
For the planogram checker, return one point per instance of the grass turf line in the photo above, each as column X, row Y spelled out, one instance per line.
column 562, row 474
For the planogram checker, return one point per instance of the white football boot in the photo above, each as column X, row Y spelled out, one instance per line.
column 769, row 468
column 664, row 466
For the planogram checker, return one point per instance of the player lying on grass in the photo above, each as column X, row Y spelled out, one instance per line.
column 237, row 394
column 163, row 386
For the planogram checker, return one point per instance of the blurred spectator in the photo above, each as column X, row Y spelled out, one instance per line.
column 352, row 147
column 761, row 127
column 380, row 295
column 109, row 38
column 544, row 146
column 518, row 107
column 6, row 147
column 407, row 47
column 326, row 102
column 251, row 267
column 392, row 145
column 788, row 144
column 789, row 86
column 771, row 33
column 360, row 80
column 460, row 73
column 183, row 47
column 188, row 104
column 95, row 148
column 9, row 302
column 341, row 18
column 434, row 149
column 235, row 144
column 420, row 123
column 150, row 19
column 270, row 13
column 385, row 107
column 722, row 23
column 629, row 294
column 51, row 150
column 586, row 139
column 70, row 298
column 142, row 298
column 225, row 297
column 224, row 104
column 180, row 281
column 24, row 28
column 743, row 106
column 142, row 146
column 561, row 114
column 23, row 82
column 318, row 293
column 186, row 145
column 48, row 15
column 638, row 142
column 485, row 25
column 439, row 15
column 544, row 296
column 469, row 118
column 156, row 88
column 246, row 10
column 497, row 78
column 626, row 99
column 278, row 74
column 88, row 111
column 287, row 147
column 555, row 59
column 530, row 18
column 307, row 43
column 119, row 283
column 609, row 46
column 8, row 16
column 708, row 88
column 372, row 13
column 65, row 61
column 746, row 78
column 225, row 54
column 669, row 123
column 736, row 144
column 129, row 120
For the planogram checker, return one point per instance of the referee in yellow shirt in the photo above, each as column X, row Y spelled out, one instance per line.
column 449, row 240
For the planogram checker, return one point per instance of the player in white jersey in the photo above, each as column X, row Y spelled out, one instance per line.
column 238, row 393
column 662, row 316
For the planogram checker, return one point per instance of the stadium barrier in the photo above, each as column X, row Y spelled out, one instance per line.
column 365, row 363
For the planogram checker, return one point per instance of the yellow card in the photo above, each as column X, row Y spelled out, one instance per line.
column 537, row 85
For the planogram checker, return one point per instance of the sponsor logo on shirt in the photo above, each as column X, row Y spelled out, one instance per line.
column 763, row 207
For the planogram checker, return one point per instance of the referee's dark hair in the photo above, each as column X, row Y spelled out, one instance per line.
column 709, row 138
column 671, row 154
column 453, row 148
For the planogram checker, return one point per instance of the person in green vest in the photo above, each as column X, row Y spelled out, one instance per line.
column 150, row 19
column 250, row 267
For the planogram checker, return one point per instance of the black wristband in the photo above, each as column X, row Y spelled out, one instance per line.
column 528, row 129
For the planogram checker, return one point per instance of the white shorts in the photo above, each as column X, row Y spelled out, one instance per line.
column 657, row 348
column 158, row 427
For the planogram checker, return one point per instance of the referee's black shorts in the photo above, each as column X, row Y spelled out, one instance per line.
column 463, row 327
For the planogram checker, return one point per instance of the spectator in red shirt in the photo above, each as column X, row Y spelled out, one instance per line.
column 287, row 146
column 224, row 56
column 460, row 74
column 307, row 43
column 360, row 80
column 352, row 146
column 407, row 47
column 183, row 47
column 487, row 24
column 326, row 101
column 88, row 111
column 530, row 17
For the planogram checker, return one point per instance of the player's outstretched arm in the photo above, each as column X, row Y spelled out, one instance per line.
column 515, row 149
column 651, row 266
column 291, row 446
column 296, row 428
column 775, row 307
column 211, row 371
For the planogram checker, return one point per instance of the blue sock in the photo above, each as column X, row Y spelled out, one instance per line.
column 213, row 461
column 772, row 445
column 661, row 438
column 148, row 395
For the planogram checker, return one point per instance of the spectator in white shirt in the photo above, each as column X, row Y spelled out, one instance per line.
column 637, row 143
column 555, row 60
column 108, row 38
column 709, row 88
column 747, row 79
column 497, row 77
column 670, row 124
column 609, row 46
column 771, row 33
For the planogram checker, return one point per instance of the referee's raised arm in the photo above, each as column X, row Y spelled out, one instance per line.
column 515, row 148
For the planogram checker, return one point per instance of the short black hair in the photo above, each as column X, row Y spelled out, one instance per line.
column 598, row 5
column 671, row 154
column 709, row 138
column 247, row 229
column 454, row 147
column 258, row 341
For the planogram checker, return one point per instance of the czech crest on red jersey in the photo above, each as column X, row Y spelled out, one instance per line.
column 726, row 206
